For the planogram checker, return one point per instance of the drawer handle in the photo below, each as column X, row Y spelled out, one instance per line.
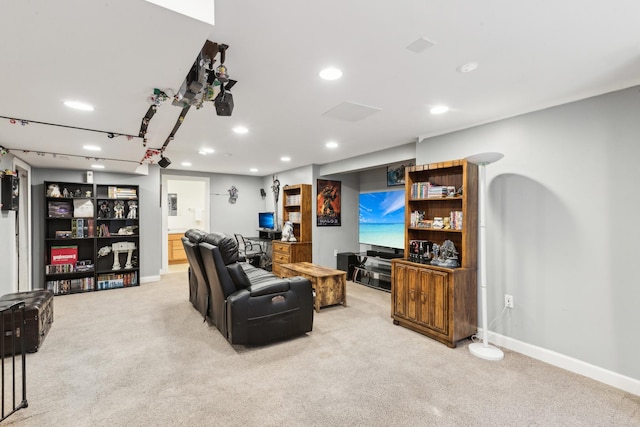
column 423, row 297
column 412, row 295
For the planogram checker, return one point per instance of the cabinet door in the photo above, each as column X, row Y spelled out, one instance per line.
column 405, row 291
column 432, row 301
column 399, row 294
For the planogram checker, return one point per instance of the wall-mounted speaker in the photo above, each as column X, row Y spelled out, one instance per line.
column 89, row 177
column 263, row 193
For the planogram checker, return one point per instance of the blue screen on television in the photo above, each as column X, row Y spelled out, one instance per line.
column 266, row 220
column 381, row 221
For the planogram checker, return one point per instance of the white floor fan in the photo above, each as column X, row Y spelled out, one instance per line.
column 483, row 349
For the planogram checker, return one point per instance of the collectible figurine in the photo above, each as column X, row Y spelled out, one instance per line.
column 103, row 211
column 53, row 191
column 287, row 232
column 65, row 192
column 118, row 209
column 133, row 209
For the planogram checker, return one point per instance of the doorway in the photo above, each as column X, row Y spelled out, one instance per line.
column 24, row 254
column 185, row 205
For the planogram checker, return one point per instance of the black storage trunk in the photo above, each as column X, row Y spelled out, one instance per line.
column 39, row 317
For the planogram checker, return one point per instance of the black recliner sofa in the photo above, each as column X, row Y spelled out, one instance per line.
column 198, row 284
column 248, row 305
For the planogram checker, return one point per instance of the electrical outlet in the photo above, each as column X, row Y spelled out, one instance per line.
column 508, row 301
column 335, row 252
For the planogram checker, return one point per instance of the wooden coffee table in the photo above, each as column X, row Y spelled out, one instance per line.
column 330, row 285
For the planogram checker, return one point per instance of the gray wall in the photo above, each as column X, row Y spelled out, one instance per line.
column 149, row 212
column 560, row 233
column 326, row 240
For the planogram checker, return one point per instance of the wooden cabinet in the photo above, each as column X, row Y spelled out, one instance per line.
column 289, row 252
column 438, row 301
column 296, row 207
column 91, row 237
column 176, row 252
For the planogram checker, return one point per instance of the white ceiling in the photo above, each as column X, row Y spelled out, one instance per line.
column 113, row 53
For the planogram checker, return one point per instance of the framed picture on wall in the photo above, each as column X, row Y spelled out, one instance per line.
column 328, row 203
column 173, row 204
column 395, row 173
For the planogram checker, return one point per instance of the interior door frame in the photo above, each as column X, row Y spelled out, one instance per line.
column 24, row 259
column 164, row 194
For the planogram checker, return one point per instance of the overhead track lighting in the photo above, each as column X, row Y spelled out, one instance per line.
column 164, row 162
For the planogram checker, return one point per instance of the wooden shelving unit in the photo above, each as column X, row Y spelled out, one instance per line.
column 296, row 207
column 88, row 248
column 438, row 301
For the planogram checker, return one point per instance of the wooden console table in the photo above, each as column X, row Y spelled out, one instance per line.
column 330, row 285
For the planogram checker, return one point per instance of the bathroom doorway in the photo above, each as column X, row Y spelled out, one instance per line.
column 185, row 205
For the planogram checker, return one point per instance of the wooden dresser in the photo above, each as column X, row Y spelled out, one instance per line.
column 289, row 252
column 175, row 249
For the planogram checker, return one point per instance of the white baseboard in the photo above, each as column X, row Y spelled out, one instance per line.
column 597, row 373
column 147, row 279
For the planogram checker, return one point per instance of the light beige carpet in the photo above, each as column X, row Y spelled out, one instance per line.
column 143, row 357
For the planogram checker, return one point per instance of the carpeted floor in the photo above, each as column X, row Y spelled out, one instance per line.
column 143, row 357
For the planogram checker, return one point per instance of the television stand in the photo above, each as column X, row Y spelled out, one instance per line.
column 265, row 233
column 373, row 271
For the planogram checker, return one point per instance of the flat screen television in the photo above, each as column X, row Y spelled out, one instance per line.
column 266, row 220
column 381, row 221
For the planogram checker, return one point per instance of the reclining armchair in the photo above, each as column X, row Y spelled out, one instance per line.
column 198, row 284
column 249, row 305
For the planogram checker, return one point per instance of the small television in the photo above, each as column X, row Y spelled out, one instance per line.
column 381, row 220
column 266, row 220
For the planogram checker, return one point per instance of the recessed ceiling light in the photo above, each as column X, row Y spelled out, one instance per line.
column 77, row 105
column 206, row 151
column 186, row 163
column 97, row 166
column 285, row 159
column 330, row 73
column 240, row 129
column 253, row 170
column 439, row 109
column 91, row 147
column 467, row 68
column 331, row 144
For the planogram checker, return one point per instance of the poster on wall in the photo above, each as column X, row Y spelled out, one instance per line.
column 395, row 173
column 328, row 203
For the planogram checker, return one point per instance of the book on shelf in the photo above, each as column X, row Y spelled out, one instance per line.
column 64, row 254
column 103, row 230
column 71, row 285
column 117, row 280
column 456, row 220
column 59, row 268
column 64, row 234
column 59, row 209
column 437, row 191
column 83, row 208
column 295, row 217
column 125, row 193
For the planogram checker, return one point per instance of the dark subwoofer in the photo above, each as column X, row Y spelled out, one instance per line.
column 346, row 261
